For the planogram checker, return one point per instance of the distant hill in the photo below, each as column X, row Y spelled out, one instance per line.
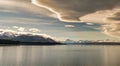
column 12, row 42
column 103, row 43
column 8, row 42
column 86, row 42
column 26, row 39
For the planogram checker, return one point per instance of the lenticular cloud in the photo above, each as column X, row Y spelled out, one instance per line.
column 105, row 12
column 73, row 10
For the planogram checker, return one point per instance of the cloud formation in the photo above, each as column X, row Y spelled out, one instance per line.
column 105, row 12
column 16, row 6
column 21, row 29
column 34, row 30
column 113, row 18
column 73, row 10
column 112, row 30
column 69, row 26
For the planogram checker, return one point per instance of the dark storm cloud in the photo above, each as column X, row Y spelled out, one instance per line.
column 72, row 10
column 106, row 12
column 115, row 17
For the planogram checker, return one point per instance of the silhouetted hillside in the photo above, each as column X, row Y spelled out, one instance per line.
column 11, row 42
column 102, row 43
column 12, row 38
column 41, row 43
column 8, row 42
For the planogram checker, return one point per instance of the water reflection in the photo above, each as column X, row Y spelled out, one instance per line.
column 112, row 55
column 72, row 55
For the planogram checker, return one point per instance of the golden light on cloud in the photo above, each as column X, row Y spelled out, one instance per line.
column 102, row 12
column 112, row 30
column 65, row 18
column 34, row 30
column 69, row 26
column 38, row 4
column 72, row 11
column 97, row 11
column 21, row 29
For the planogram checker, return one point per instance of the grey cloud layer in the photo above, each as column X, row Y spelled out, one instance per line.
column 72, row 10
column 16, row 6
column 106, row 12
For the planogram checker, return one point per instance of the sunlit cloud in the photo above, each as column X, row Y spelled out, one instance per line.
column 33, row 12
column 112, row 30
column 89, row 23
column 72, row 11
column 103, row 12
column 34, row 30
column 16, row 27
column 21, row 29
column 69, row 26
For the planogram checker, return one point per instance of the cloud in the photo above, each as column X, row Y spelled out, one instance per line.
column 89, row 23
column 112, row 26
column 113, row 18
column 20, row 19
column 104, row 12
column 112, row 30
column 21, row 29
column 25, row 36
column 73, row 10
column 8, row 11
column 16, row 27
column 34, row 30
column 16, row 6
column 69, row 26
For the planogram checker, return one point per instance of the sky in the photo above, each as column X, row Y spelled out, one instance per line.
column 62, row 19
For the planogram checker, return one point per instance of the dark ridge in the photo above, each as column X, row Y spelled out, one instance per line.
column 7, row 42
column 40, row 43
column 97, row 43
column 103, row 43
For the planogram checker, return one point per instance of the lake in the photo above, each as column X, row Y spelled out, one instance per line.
column 60, row 55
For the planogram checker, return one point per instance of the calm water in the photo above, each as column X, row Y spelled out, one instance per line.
column 70, row 55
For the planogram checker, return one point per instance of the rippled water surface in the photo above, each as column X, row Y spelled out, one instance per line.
column 65, row 55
